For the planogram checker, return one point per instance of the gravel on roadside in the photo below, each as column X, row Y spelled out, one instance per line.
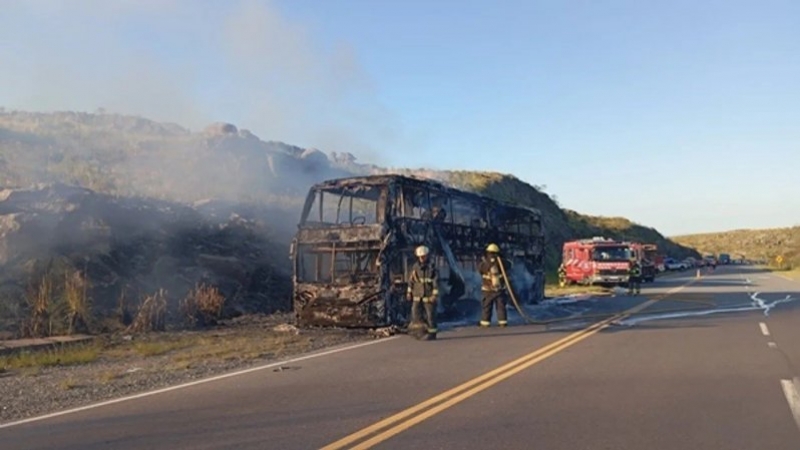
column 33, row 391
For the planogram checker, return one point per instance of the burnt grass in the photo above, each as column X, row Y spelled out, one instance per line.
column 117, row 365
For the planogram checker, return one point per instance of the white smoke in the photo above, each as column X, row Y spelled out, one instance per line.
column 522, row 283
column 472, row 284
column 182, row 61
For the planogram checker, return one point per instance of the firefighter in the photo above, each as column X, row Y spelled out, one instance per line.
column 493, row 287
column 634, row 278
column 423, row 292
column 562, row 275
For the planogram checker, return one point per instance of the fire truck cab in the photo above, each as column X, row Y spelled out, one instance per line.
column 595, row 261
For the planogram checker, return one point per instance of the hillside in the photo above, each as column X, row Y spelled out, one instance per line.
column 216, row 206
column 133, row 156
column 752, row 244
column 560, row 224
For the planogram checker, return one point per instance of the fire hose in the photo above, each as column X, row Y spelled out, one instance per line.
column 521, row 311
column 701, row 305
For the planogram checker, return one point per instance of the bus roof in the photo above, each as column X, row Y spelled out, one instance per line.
column 406, row 180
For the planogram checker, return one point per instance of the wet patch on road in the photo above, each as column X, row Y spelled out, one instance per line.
column 757, row 303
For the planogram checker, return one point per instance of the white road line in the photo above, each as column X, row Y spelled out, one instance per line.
column 675, row 289
column 764, row 329
column 772, row 345
column 195, row 383
column 790, row 391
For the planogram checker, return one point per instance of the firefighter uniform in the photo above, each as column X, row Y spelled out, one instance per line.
column 562, row 275
column 493, row 287
column 634, row 278
column 423, row 292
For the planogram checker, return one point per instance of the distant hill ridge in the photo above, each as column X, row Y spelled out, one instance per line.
column 750, row 243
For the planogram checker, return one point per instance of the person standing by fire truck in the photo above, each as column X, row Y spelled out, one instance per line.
column 493, row 287
column 423, row 291
column 634, row 278
column 562, row 275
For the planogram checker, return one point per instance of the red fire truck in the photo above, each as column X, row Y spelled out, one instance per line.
column 595, row 261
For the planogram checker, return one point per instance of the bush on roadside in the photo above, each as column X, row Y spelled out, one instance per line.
column 202, row 306
column 151, row 315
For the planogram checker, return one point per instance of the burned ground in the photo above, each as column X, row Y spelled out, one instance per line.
column 124, row 250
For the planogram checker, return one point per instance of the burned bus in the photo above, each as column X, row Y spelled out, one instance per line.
column 355, row 247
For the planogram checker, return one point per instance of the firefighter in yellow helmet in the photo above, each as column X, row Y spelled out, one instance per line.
column 423, row 291
column 562, row 275
column 493, row 287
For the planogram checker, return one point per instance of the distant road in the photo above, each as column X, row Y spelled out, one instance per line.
column 724, row 380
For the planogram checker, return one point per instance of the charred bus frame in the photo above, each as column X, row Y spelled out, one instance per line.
column 354, row 247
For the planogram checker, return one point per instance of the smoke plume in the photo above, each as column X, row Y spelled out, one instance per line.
column 192, row 63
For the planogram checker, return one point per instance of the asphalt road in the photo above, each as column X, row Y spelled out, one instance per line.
column 711, row 370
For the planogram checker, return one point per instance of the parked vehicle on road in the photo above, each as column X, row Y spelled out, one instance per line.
column 675, row 265
column 596, row 261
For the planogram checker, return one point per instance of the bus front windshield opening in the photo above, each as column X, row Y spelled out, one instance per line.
column 344, row 207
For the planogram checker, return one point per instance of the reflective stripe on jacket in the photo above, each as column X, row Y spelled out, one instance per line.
column 423, row 281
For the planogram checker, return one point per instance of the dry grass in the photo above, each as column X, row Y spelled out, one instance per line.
column 39, row 299
column 239, row 342
column 70, row 383
column 240, row 348
column 552, row 289
column 160, row 347
column 58, row 356
column 57, row 303
column 151, row 315
column 203, row 306
column 76, row 299
column 182, row 351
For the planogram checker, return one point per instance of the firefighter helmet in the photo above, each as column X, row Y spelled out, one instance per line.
column 492, row 248
column 422, row 251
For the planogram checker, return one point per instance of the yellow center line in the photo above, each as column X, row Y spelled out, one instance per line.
column 341, row 443
column 465, row 395
column 445, row 400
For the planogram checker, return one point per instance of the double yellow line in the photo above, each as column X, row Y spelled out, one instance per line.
column 406, row 419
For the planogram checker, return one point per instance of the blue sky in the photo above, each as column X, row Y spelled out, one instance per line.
column 678, row 115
